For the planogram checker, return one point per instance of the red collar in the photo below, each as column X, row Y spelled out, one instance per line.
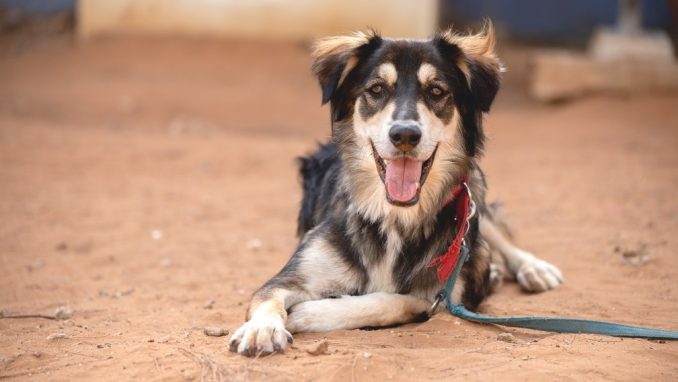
column 461, row 196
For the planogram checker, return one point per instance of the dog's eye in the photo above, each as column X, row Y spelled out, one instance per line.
column 436, row 91
column 376, row 89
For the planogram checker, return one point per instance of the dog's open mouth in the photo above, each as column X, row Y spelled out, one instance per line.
column 403, row 177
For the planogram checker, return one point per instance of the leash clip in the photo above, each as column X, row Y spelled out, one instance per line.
column 440, row 296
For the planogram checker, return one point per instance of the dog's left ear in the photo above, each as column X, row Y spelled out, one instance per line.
column 475, row 57
column 335, row 57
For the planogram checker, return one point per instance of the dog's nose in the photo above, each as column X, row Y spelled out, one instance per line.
column 405, row 137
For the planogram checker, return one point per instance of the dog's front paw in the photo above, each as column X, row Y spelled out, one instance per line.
column 537, row 275
column 260, row 336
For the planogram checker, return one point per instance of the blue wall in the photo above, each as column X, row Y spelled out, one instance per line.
column 39, row 6
column 550, row 20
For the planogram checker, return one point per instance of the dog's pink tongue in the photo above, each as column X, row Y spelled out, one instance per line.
column 402, row 178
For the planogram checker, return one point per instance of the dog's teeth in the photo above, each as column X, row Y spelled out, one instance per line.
column 418, row 185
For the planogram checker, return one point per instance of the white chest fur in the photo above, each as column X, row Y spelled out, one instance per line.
column 380, row 271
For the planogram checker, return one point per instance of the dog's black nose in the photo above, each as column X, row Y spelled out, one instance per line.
column 405, row 137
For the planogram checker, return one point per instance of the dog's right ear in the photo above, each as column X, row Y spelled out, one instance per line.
column 335, row 57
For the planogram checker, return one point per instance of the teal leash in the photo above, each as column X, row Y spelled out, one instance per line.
column 548, row 324
column 459, row 252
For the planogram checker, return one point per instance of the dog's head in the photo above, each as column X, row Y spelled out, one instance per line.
column 405, row 111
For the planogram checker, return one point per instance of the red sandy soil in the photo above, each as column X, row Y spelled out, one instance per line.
column 140, row 179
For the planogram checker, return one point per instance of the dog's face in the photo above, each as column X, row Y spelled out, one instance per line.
column 408, row 111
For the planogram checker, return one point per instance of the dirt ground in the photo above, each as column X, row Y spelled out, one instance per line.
column 150, row 187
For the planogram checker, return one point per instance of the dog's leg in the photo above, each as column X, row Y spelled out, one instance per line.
column 353, row 312
column 533, row 274
column 316, row 270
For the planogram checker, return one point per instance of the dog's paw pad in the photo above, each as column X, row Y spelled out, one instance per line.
column 260, row 336
column 539, row 276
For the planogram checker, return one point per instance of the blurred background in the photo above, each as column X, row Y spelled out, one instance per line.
column 217, row 56
column 554, row 51
column 148, row 182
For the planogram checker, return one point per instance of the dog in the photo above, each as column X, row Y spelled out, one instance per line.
column 406, row 130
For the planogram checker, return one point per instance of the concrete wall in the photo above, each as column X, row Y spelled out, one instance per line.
column 267, row 19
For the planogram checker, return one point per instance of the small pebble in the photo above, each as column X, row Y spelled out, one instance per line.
column 56, row 336
column 318, row 348
column 6, row 360
column 133, row 349
column 124, row 292
column 367, row 355
column 506, row 337
column 209, row 304
column 214, row 331
column 156, row 234
column 254, row 244
column 63, row 313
